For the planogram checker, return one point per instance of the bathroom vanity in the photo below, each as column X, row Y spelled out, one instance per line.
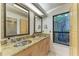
column 38, row 47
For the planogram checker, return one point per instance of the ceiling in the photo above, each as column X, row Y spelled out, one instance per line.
column 49, row 6
column 45, row 8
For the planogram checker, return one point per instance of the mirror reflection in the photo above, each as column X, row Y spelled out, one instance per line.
column 38, row 24
column 16, row 20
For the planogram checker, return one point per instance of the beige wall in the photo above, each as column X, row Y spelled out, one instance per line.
column 0, row 28
column 0, row 21
column 74, row 41
column 78, row 26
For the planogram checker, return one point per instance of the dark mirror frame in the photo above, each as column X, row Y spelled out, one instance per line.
column 34, row 24
column 5, row 36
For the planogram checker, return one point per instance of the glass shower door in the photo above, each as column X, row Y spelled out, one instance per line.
column 61, row 28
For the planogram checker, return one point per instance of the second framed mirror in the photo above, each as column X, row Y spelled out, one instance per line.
column 37, row 24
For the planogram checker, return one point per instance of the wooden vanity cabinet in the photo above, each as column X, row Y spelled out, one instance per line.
column 40, row 48
column 44, row 46
column 25, row 52
column 36, row 49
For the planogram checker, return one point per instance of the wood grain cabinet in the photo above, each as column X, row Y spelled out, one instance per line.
column 25, row 52
column 40, row 48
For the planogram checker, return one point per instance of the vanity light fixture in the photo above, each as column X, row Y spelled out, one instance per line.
column 20, row 8
column 32, row 7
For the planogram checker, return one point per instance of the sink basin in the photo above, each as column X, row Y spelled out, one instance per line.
column 22, row 43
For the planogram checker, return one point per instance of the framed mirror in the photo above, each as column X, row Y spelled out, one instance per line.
column 16, row 20
column 37, row 24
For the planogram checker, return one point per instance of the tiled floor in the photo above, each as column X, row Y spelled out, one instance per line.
column 59, row 50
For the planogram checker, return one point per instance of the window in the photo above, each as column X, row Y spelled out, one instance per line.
column 61, row 28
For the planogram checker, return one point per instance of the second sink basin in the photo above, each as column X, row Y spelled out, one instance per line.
column 22, row 43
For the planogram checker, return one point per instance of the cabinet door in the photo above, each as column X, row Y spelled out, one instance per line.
column 26, row 52
column 47, row 45
column 36, row 49
column 44, row 47
column 41, row 48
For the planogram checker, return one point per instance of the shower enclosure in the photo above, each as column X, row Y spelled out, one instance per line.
column 61, row 28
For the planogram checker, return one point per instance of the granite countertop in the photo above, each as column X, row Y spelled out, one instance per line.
column 9, row 50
